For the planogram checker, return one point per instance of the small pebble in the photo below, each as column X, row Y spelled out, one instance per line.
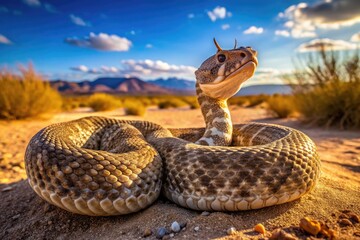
column 345, row 222
column 6, row 189
column 260, row 228
column 172, row 235
column 196, row 229
column 205, row 213
column 354, row 217
column 16, row 216
column 175, row 227
column 310, row 226
column 147, row 232
column 231, row 231
column 49, row 222
column 166, row 237
column 160, row 233
column 281, row 234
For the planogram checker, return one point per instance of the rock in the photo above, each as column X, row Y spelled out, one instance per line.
column 327, row 232
column 6, row 189
column 166, row 237
column 175, row 227
column 205, row 213
column 310, row 226
column 345, row 222
column 161, row 232
column 231, row 231
column 172, row 235
column 355, row 218
column 16, row 216
column 281, row 234
column 196, row 228
column 260, row 228
column 147, row 232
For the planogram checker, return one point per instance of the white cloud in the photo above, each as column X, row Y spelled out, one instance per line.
column 78, row 20
column 106, row 69
column 225, row 26
column 355, row 37
column 302, row 20
column 326, row 44
column 254, row 30
column 145, row 69
column 217, row 13
column 4, row 40
column 102, row 70
column 191, row 15
column 32, row 3
column 283, row 33
column 102, row 41
column 149, row 45
column 156, row 68
column 81, row 68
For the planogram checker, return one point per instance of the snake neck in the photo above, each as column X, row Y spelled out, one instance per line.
column 217, row 117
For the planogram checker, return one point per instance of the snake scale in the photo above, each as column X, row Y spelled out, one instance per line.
column 99, row 166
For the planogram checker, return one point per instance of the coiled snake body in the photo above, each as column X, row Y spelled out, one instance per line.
column 100, row 166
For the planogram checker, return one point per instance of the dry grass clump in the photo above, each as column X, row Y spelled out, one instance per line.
column 191, row 101
column 327, row 90
column 240, row 101
column 255, row 100
column 26, row 95
column 134, row 107
column 281, row 106
column 171, row 103
column 103, row 102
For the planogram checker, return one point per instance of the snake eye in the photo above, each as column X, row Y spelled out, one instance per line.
column 221, row 58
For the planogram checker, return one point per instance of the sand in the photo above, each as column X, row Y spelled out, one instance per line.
column 337, row 195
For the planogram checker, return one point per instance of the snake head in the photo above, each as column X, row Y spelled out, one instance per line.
column 222, row 75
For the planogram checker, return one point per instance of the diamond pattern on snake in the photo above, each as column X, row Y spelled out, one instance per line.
column 100, row 166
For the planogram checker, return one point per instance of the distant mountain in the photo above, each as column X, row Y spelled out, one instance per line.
column 136, row 86
column 110, row 85
column 175, row 83
column 268, row 89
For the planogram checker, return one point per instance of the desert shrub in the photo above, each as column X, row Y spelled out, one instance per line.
column 256, row 100
column 134, row 107
column 69, row 103
column 239, row 101
column 281, row 106
column 26, row 95
column 103, row 102
column 327, row 89
column 191, row 101
column 171, row 103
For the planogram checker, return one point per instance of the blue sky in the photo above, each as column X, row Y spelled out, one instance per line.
column 76, row 40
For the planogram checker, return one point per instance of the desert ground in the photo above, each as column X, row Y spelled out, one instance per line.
column 334, row 201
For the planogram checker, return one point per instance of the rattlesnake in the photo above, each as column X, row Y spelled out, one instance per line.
column 101, row 166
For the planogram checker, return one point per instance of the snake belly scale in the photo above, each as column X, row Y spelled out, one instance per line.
column 99, row 166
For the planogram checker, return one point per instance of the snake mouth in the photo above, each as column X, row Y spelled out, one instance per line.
column 232, row 83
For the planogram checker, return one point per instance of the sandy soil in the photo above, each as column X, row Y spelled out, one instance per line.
column 334, row 201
